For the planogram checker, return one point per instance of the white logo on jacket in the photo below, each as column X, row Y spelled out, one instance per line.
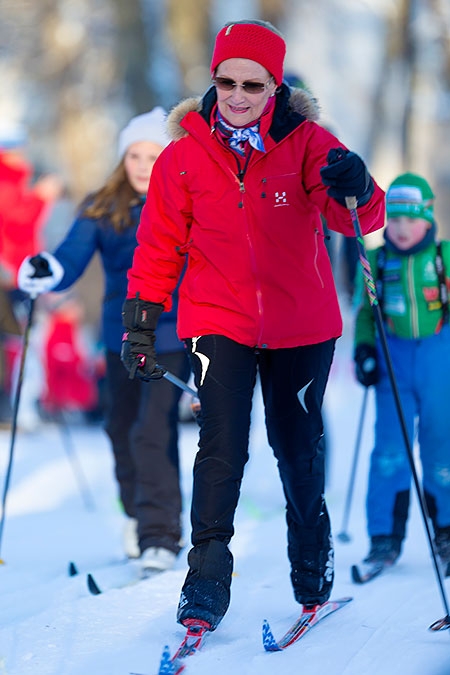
column 281, row 199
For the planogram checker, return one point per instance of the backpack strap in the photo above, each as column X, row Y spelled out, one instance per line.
column 443, row 292
column 381, row 261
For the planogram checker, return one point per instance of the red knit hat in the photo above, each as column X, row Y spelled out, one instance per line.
column 258, row 41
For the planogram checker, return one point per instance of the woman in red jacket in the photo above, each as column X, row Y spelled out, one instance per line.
column 240, row 191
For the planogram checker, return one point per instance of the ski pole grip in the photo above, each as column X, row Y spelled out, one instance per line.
column 351, row 203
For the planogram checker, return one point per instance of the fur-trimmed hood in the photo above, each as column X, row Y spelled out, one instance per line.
column 290, row 101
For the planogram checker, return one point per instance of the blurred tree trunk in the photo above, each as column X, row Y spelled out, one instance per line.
column 407, row 55
column 392, row 107
column 188, row 27
column 410, row 115
column 273, row 11
column 440, row 151
column 132, row 54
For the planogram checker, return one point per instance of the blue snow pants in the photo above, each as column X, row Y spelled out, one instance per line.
column 422, row 372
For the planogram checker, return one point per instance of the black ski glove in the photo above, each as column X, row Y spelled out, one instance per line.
column 138, row 343
column 366, row 365
column 346, row 175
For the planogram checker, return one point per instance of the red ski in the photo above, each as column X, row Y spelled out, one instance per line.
column 441, row 624
column 307, row 620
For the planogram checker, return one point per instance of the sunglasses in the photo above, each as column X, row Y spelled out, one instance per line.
column 226, row 84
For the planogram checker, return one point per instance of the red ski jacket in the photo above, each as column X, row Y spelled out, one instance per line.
column 258, row 270
column 22, row 214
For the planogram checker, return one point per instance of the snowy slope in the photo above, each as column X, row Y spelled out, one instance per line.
column 51, row 625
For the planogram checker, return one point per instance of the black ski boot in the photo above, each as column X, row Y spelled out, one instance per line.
column 384, row 549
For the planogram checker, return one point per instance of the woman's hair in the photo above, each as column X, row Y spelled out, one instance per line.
column 113, row 200
column 257, row 22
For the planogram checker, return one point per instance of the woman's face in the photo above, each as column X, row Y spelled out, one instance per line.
column 238, row 106
column 138, row 162
column 406, row 232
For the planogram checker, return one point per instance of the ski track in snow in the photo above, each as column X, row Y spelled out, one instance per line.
column 51, row 625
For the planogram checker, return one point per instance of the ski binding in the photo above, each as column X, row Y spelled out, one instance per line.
column 191, row 643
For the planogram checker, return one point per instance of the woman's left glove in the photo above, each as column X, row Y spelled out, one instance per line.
column 40, row 273
column 346, row 175
column 138, row 353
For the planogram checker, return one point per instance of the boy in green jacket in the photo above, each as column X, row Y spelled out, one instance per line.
column 411, row 273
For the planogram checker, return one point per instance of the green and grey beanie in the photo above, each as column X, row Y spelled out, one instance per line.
column 410, row 195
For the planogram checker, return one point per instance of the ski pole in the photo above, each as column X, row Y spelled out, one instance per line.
column 17, row 392
column 195, row 405
column 178, row 382
column 369, row 283
column 75, row 463
column 343, row 534
column 181, row 384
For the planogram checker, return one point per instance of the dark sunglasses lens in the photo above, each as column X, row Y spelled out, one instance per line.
column 253, row 87
column 224, row 83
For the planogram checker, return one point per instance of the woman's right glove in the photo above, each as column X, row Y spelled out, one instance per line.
column 40, row 273
column 346, row 175
column 138, row 343
column 366, row 365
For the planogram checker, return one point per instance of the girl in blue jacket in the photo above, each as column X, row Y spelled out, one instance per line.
column 141, row 418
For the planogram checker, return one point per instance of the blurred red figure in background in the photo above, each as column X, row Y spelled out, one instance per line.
column 70, row 371
column 24, row 207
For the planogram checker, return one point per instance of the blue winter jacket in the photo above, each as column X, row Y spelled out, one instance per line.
column 84, row 239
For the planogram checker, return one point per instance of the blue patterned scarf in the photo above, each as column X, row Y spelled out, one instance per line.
column 237, row 136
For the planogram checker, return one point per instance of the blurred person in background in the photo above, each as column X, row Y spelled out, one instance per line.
column 25, row 206
column 412, row 275
column 72, row 367
column 9, row 326
column 240, row 190
column 141, row 418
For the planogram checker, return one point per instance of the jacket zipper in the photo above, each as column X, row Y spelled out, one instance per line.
column 414, row 312
column 316, row 255
column 259, row 301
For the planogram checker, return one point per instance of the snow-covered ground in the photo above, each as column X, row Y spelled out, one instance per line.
column 51, row 625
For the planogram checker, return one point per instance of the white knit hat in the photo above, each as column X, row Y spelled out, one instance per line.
column 147, row 127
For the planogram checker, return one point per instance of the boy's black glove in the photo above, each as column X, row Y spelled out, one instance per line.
column 138, row 343
column 346, row 175
column 366, row 365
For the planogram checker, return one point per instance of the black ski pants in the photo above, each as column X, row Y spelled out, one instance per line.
column 142, row 423
column 293, row 383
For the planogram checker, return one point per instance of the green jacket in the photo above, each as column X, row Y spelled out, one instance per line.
column 409, row 294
